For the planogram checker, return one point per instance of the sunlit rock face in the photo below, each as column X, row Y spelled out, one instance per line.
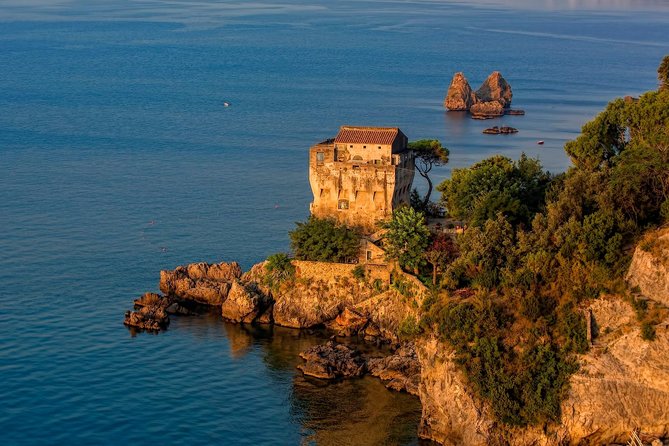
column 460, row 96
column 649, row 269
column 495, row 89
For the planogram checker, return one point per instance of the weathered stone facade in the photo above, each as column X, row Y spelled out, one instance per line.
column 360, row 176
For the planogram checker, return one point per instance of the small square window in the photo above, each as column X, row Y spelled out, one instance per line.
column 379, row 147
column 369, row 255
column 364, row 147
column 320, row 157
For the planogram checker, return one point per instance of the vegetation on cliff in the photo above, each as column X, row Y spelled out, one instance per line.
column 324, row 240
column 538, row 247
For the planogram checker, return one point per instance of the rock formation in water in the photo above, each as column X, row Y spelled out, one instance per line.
column 487, row 109
column 332, row 360
column 399, row 371
column 492, row 99
column 495, row 89
column 460, row 96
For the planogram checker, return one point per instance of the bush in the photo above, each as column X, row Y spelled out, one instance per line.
column 279, row 268
column 324, row 240
column 408, row 328
column 647, row 331
column 359, row 272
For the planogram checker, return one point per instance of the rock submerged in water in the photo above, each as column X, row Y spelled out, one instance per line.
column 332, row 360
column 460, row 96
column 500, row 130
column 400, row 371
column 153, row 318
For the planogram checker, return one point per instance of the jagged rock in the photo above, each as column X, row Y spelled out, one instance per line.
column 169, row 304
column 649, row 269
column 244, row 303
column 507, row 130
column 401, row 371
column 487, row 109
column 300, row 308
column 459, row 96
column 348, row 323
column 332, row 360
column 148, row 318
column 199, row 282
column 495, row 89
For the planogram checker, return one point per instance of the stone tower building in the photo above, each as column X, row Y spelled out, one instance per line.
column 361, row 175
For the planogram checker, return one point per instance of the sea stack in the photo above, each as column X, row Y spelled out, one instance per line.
column 460, row 96
column 495, row 89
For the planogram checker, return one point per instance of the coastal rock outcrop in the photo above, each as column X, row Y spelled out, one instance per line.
column 332, row 360
column 460, row 96
column 244, row 303
column 487, row 109
column 495, row 89
column 649, row 269
column 204, row 283
column 153, row 318
column 400, row 371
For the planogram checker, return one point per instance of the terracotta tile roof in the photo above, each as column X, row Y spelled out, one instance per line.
column 369, row 135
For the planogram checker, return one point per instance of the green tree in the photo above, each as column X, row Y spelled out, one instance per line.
column 494, row 185
column 441, row 251
column 324, row 240
column 663, row 73
column 428, row 153
column 406, row 238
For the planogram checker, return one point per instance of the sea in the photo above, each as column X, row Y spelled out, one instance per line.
column 119, row 158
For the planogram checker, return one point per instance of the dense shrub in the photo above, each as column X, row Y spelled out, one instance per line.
column 325, row 240
column 279, row 268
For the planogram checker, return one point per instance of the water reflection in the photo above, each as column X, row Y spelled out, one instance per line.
column 348, row 412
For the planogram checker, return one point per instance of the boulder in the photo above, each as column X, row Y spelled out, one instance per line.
column 200, row 282
column 400, row 371
column 487, row 109
column 495, row 89
column 245, row 303
column 332, row 360
column 348, row 323
column 459, row 96
column 147, row 318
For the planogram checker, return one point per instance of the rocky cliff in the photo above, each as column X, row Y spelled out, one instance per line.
column 649, row 269
column 622, row 384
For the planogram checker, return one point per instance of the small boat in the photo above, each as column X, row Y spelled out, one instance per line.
column 226, row 104
column 540, row 142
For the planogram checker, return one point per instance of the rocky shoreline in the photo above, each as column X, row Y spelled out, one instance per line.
column 623, row 382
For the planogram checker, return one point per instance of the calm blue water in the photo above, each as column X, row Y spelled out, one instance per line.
column 111, row 117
